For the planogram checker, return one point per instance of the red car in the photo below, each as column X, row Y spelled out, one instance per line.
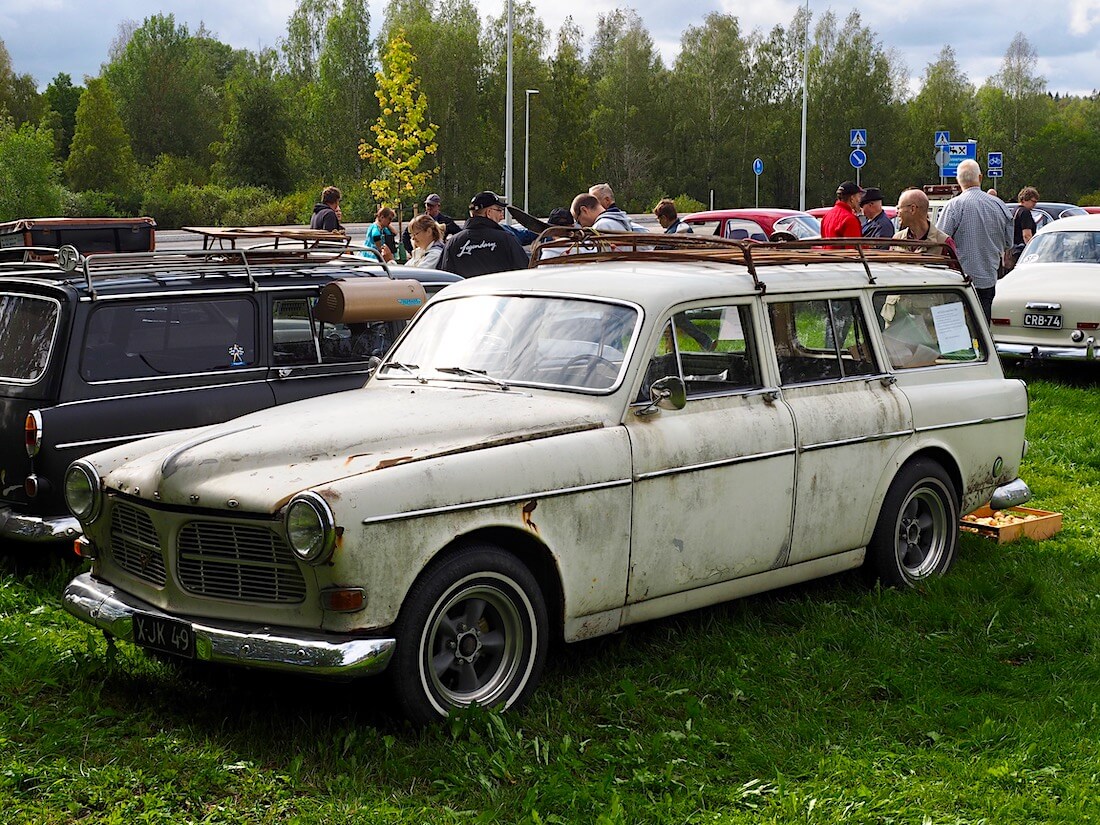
column 756, row 224
column 819, row 212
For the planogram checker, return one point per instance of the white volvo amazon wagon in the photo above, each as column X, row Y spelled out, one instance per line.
column 604, row 439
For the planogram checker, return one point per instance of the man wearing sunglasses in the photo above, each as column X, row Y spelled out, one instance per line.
column 483, row 246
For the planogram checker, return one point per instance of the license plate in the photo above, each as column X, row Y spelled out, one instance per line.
column 1032, row 319
column 166, row 635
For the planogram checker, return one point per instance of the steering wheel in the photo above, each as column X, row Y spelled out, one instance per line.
column 593, row 362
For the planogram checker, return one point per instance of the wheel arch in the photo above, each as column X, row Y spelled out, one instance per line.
column 534, row 554
column 933, row 452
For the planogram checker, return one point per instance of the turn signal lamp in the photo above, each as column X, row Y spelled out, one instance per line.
column 343, row 599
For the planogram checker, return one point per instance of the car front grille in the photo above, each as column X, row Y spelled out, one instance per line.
column 135, row 544
column 237, row 562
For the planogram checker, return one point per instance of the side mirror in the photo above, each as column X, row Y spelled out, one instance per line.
column 372, row 364
column 668, row 393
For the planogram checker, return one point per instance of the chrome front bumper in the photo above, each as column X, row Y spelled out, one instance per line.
column 1086, row 352
column 285, row 649
column 21, row 527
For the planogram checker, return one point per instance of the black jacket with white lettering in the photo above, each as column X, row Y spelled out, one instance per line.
column 484, row 246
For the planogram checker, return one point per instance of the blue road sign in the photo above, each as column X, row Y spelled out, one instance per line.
column 858, row 138
column 954, row 154
column 758, row 167
column 943, row 139
column 995, row 161
column 858, row 158
column 996, row 173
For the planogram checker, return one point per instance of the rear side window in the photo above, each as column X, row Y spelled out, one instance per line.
column 823, row 340
column 922, row 329
column 169, row 338
column 28, row 325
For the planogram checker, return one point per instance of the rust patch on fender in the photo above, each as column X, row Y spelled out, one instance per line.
column 329, row 494
column 393, row 462
column 528, row 509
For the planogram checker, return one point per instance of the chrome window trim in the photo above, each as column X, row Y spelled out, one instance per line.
column 116, row 440
column 26, row 382
column 177, row 375
column 496, row 502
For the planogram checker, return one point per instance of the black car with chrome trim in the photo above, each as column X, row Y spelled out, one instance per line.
column 101, row 349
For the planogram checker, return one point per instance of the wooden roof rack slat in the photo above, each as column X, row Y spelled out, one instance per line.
column 587, row 246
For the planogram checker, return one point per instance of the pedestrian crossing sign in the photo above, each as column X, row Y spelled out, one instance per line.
column 858, row 138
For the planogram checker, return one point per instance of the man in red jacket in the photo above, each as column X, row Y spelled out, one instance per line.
column 841, row 220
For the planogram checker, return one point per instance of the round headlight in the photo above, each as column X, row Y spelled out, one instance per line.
column 310, row 528
column 82, row 491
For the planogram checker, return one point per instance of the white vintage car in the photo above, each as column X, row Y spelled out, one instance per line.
column 560, row 453
column 1048, row 307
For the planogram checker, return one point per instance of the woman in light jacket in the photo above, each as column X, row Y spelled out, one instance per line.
column 427, row 240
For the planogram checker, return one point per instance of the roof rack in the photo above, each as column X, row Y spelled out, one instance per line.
column 587, row 246
column 226, row 237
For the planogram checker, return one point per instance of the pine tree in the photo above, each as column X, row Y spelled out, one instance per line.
column 101, row 157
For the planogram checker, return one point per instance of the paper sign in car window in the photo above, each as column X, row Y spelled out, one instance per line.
column 951, row 329
column 730, row 328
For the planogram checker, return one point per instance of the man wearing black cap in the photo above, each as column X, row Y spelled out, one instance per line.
column 877, row 224
column 484, row 246
column 841, row 220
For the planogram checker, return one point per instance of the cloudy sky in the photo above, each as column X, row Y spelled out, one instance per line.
column 45, row 37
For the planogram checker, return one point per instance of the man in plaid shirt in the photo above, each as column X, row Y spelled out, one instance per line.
column 982, row 230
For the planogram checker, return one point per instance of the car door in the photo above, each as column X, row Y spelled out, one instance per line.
column 713, row 482
column 848, row 414
column 310, row 357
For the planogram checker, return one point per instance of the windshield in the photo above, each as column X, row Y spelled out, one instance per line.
column 803, row 227
column 501, row 340
column 1063, row 247
column 27, row 326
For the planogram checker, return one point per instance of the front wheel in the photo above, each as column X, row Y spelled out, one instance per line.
column 917, row 532
column 473, row 629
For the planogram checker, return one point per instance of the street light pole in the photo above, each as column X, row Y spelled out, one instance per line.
column 527, row 145
column 805, row 72
column 508, row 117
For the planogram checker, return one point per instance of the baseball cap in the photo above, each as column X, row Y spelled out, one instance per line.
column 870, row 194
column 433, row 199
column 486, row 199
column 848, row 188
column 560, row 217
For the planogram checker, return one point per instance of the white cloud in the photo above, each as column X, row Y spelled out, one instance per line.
column 1084, row 16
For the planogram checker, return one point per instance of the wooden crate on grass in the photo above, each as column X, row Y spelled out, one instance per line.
column 1036, row 524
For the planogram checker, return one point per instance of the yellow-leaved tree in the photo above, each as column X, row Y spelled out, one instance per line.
column 404, row 139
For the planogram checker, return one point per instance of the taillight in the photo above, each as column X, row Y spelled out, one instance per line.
column 1088, row 325
column 31, row 486
column 1000, row 322
column 32, row 432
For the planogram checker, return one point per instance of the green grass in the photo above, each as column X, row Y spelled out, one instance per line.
column 975, row 701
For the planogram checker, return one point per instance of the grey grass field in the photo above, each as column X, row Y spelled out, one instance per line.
column 975, row 700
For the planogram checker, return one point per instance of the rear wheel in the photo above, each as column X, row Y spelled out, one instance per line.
column 473, row 629
column 917, row 531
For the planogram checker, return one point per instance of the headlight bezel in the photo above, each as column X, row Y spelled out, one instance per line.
column 319, row 550
column 88, row 473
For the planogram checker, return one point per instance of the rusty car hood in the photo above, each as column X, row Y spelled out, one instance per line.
column 259, row 460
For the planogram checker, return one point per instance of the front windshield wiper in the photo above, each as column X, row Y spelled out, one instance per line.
column 474, row 373
column 411, row 369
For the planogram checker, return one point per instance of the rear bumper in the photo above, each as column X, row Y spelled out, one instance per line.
column 284, row 649
column 1008, row 495
column 1086, row 352
column 21, row 527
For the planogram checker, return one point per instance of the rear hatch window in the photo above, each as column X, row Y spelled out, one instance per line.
column 28, row 326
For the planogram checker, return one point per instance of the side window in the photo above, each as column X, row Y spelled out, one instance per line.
column 662, row 364
column 169, row 338
column 923, row 328
column 301, row 339
column 823, row 340
column 716, row 350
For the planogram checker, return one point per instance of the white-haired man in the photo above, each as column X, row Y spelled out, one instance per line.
column 982, row 230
